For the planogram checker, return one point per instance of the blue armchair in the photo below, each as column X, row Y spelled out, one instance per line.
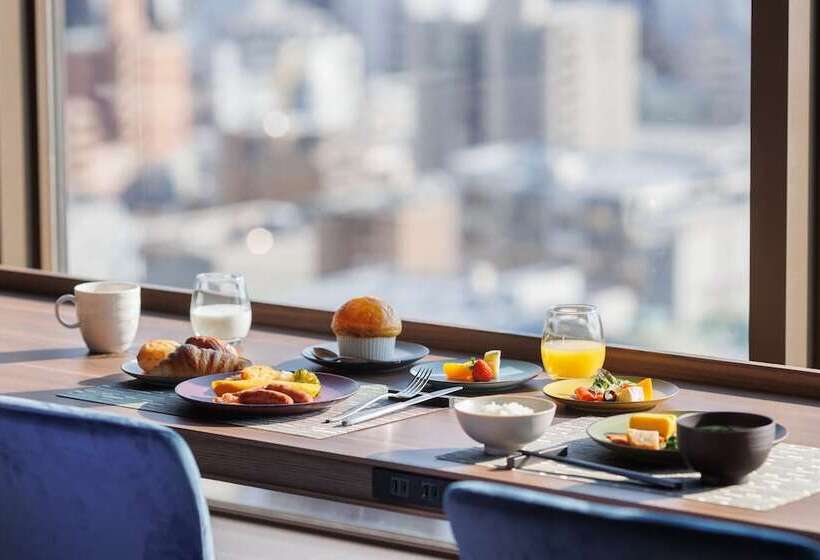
column 75, row 483
column 496, row 521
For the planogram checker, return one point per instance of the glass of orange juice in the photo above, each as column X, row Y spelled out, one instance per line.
column 573, row 341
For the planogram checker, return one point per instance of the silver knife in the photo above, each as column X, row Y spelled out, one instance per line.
column 370, row 415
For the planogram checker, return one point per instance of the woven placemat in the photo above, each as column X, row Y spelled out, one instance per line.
column 132, row 394
column 789, row 474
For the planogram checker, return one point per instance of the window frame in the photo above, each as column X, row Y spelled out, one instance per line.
column 17, row 203
column 780, row 314
column 781, row 240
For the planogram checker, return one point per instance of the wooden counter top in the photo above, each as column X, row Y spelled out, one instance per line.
column 39, row 358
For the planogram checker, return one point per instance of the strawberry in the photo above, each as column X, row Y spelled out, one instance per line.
column 482, row 371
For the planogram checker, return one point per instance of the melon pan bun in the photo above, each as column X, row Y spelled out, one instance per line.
column 366, row 316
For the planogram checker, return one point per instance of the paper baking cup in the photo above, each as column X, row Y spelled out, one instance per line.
column 376, row 348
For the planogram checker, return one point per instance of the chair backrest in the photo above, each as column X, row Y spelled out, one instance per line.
column 75, row 483
column 501, row 521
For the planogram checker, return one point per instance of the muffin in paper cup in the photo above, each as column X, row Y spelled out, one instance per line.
column 372, row 348
column 366, row 327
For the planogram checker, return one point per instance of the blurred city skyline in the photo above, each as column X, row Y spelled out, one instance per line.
column 471, row 161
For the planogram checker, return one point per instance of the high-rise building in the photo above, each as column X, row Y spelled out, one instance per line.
column 152, row 81
column 700, row 51
column 512, row 85
column 446, row 68
column 566, row 74
column 379, row 25
column 417, row 232
column 294, row 71
column 591, row 64
column 252, row 166
column 84, row 137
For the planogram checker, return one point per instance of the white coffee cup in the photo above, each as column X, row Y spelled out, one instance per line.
column 108, row 314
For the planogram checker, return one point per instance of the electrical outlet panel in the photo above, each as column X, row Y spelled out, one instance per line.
column 403, row 488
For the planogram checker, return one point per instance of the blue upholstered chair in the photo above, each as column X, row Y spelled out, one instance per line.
column 75, row 483
column 495, row 521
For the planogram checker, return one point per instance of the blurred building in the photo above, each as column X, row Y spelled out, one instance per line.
column 591, row 57
column 269, row 242
column 635, row 225
column 711, row 253
column 289, row 69
column 566, row 74
column 84, row 137
column 152, row 82
column 505, row 191
column 379, row 25
column 254, row 166
column 699, row 50
column 417, row 232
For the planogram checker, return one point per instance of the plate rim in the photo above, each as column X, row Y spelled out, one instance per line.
column 163, row 381
column 356, row 387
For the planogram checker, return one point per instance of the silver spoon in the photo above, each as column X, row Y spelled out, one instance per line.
column 329, row 355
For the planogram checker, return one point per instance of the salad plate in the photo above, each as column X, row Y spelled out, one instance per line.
column 512, row 373
column 334, row 388
column 604, row 385
column 602, row 429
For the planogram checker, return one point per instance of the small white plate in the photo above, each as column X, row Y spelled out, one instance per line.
column 132, row 368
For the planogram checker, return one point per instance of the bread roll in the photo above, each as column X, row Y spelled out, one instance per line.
column 153, row 352
column 366, row 317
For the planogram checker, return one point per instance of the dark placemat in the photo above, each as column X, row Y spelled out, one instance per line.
column 133, row 394
column 789, row 474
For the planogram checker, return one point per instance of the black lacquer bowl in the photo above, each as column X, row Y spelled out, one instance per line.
column 725, row 446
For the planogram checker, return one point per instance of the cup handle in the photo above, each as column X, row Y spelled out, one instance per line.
column 67, row 298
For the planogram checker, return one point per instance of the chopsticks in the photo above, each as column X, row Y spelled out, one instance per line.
column 559, row 455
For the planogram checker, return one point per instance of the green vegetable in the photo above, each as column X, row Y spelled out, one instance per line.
column 604, row 381
column 305, row 376
column 672, row 442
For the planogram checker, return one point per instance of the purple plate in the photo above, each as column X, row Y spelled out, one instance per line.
column 334, row 389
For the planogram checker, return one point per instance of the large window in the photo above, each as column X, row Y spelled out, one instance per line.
column 472, row 161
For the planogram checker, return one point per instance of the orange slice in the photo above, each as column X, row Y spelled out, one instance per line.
column 458, row 372
column 646, row 385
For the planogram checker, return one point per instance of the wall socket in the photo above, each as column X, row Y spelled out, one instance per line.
column 403, row 488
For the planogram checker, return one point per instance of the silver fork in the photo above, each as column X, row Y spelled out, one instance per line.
column 413, row 388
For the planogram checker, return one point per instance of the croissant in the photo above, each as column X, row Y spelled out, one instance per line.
column 212, row 343
column 189, row 361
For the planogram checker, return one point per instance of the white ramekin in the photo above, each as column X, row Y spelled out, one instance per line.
column 373, row 348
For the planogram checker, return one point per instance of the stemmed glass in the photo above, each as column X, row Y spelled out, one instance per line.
column 573, row 342
column 220, row 306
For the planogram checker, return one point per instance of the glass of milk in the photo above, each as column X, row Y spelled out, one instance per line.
column 220, row 306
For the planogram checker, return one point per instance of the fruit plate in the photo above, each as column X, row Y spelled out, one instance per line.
column 335, row 388
column 132, row 368
column 406, row 353
column 512, row 374
column 563, row 391
column 620, row 424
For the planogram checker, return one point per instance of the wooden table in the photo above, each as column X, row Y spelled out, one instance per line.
column 39, row 358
